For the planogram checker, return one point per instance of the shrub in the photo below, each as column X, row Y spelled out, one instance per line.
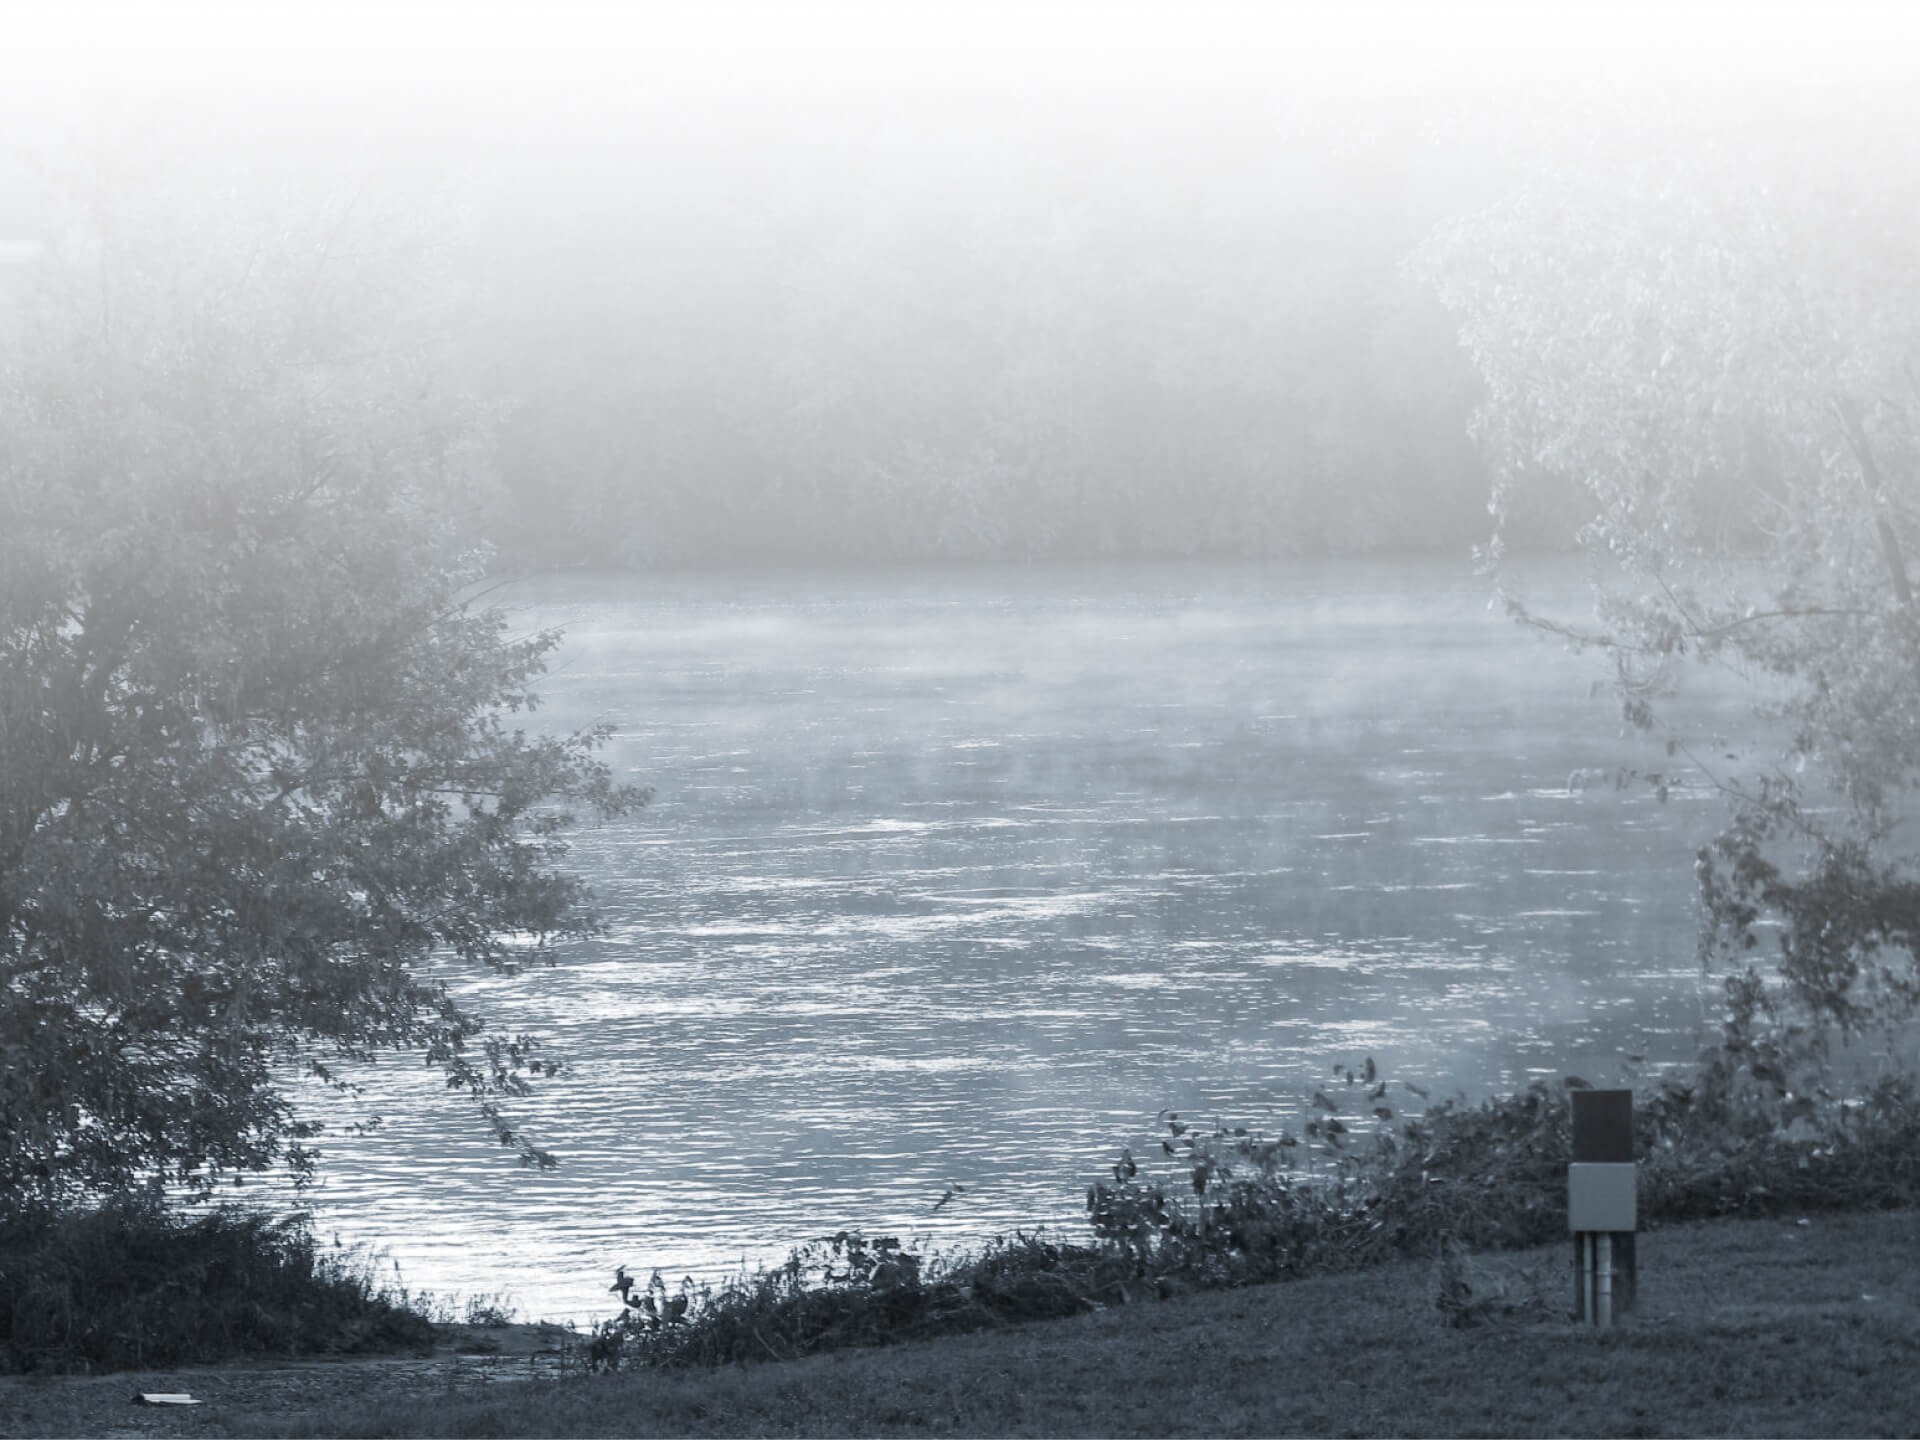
column 1358, row 1186
column 848, row 1290
column 131, row 1283
column 1240, row 1208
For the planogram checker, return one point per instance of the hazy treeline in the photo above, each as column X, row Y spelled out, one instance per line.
column 892, row 354
column 820, row 285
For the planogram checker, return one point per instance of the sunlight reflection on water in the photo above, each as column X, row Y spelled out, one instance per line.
column 960, row 879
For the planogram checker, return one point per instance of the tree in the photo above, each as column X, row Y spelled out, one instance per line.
column 257, row 759
column 1713, row 356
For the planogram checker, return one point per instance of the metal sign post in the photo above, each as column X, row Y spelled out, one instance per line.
column 1602, row 1208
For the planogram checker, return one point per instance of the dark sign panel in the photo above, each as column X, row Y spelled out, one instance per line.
column 1603, row 1127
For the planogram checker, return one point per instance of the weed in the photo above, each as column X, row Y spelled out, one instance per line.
column 850, row 1290
column 489, row 1312
column 1467, row 1292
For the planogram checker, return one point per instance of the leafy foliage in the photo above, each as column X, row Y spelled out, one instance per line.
column 256, row 758
column 1736, row 1138
column 131, row 1285
column 1364, row 1182
column 1719, row 352
column 848, row 1290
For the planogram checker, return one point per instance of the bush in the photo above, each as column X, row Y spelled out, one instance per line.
column 132, row 1284
column 1493, row 1176
column 847, row 1290
column 1358, row 1186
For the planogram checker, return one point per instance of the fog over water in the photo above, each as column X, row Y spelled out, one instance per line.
column 1008, row 478
column 957, row 879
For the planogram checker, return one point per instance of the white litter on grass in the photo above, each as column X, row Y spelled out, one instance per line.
column 164, row 1397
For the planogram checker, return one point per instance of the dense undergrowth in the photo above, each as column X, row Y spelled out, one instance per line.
column 134, row 1284
column 1361, row 1185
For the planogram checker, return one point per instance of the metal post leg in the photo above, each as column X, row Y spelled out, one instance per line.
column 1582, row 1279
column 1603, row 1282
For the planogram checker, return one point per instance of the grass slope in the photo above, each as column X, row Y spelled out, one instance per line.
column 1767, row 1327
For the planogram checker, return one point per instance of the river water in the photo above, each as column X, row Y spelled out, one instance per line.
column 956, row 879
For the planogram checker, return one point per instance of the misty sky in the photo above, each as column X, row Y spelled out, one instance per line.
column 907, row 280
column 496, row 84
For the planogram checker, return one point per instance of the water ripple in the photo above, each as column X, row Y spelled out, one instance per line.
column 959, row 881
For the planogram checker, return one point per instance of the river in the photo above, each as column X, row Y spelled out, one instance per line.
column 955, row 879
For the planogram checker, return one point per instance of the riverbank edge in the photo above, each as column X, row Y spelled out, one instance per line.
column 1779, row 1325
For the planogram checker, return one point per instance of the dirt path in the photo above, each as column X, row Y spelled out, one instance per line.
column 463, row 1359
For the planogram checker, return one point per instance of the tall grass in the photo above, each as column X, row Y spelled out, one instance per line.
column 131, row 1283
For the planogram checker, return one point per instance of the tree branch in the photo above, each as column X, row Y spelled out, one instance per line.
column 1870, row 477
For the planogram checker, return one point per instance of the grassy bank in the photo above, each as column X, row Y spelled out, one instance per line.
column 1745, row 1327
column 1223, row 1207
column 1409, row 1238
